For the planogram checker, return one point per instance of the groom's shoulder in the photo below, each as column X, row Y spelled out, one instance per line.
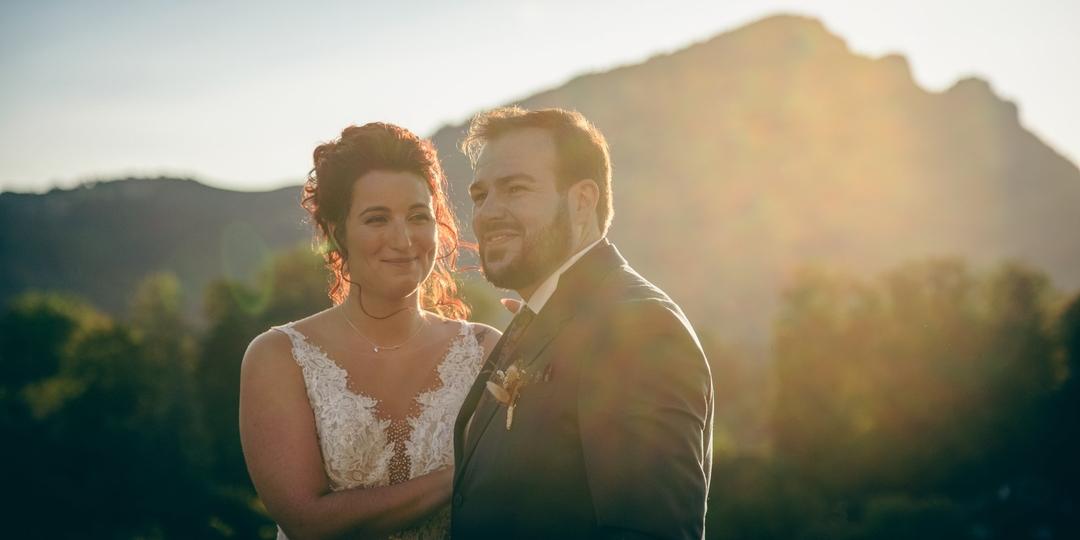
column 641, row 333
column 632, row 305
column 630, row 293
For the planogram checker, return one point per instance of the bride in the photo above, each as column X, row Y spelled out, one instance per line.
column 347, row 416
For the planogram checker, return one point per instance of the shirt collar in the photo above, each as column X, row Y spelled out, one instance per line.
column 547, row 288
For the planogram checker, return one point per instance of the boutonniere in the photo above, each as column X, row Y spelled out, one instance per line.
column 506, row 388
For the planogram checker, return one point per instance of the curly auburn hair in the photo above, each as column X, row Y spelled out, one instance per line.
column 327, row 196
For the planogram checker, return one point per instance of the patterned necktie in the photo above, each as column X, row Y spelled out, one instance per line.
column 514, row 331
column 510, row 338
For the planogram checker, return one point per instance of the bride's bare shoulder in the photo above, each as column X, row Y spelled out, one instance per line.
column 487, row 336
column 271, row 352
column 484, row 331
column 314, row 325
column 272, row 346
column 478, row 329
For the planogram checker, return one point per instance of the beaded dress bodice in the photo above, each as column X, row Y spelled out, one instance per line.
column 362, row 448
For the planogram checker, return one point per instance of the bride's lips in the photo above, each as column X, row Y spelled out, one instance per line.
column 400, row 261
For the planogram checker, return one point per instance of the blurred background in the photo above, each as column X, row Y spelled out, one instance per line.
column 870, row 212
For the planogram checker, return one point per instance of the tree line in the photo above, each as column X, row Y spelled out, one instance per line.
column 931, row 401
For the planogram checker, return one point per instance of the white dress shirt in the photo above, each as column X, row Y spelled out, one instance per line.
column 547, row 288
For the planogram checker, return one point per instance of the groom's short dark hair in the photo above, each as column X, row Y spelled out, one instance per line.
column 581, row 149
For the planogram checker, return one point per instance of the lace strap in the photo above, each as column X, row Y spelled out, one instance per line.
column 298, row 340
column 467, row 330
column 294, row 335
column 473, row 335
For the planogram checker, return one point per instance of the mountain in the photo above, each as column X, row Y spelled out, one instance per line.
column 741, row 158
column 736, row 161
column 99, row 240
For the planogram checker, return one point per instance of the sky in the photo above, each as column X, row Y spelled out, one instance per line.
column 237, row 94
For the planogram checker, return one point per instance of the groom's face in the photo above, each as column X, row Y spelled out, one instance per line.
column 520, row 216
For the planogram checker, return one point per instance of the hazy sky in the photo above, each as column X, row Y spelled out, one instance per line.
column 238, row 93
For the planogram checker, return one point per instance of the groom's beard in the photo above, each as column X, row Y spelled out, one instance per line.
column 542, row 251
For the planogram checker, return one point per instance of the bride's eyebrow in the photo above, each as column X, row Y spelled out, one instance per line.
column 374, row 209
column 370, row 209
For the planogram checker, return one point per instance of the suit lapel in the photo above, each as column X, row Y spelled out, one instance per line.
column 574, row 285
column 468, row 406
column 542, row 330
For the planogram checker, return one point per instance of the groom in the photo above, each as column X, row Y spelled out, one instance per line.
column 592, row 418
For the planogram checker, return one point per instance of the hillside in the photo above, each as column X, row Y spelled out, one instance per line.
column 99, row 240
column 737, row 161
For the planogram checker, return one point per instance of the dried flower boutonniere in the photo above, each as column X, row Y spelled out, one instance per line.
column 506, row 388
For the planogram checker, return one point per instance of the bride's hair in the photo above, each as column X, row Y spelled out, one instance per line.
column 328, row 194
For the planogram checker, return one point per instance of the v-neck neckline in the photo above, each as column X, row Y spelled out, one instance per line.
column 416, row 405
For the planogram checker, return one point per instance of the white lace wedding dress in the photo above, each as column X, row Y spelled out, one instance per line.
column 362, row 448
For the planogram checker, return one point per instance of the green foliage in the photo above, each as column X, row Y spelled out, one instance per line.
column 295, row 286
column 34, row 332
column 292, row 286
column 930, row 402
column 483, row 300
column 1069, row 330
column 130, row 427
column 1063, row 428
column 108, row 438
column 913, row 395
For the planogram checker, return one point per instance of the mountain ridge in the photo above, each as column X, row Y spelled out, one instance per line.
column 737, row 160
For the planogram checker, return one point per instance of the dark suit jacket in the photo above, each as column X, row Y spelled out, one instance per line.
column 616, row 443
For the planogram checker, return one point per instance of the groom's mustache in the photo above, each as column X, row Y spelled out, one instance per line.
column 498, row 226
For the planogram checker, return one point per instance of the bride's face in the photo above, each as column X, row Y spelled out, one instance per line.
column 391, row 234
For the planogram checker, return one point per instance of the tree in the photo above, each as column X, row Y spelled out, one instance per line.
column 929, row 380
column 1062, row 438
column 108, row 433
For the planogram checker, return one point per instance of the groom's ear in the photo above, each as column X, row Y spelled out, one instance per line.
column 583, row 197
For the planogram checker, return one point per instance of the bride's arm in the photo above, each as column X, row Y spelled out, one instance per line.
column 281, row 449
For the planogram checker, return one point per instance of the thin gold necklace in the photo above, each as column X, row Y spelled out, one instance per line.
column 375, row 347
